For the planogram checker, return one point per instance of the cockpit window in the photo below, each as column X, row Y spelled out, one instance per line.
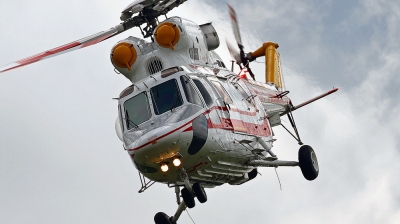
column 136, row 110
column 191, row 94
column 166, row 96
column 203, row 91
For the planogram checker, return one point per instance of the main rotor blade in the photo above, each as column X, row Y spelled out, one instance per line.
column 81, row 43
column 149, row 13
column 134, row 3
column 235, row 26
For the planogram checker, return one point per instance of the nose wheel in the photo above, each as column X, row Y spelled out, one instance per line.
column 188, row 193
column 162, row 218
column 188, row 198
column 199, row 192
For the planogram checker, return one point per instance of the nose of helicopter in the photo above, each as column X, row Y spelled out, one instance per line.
column 157, row 145
column 161, row 145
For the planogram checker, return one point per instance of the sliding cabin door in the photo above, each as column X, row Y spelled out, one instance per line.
column 230, row 107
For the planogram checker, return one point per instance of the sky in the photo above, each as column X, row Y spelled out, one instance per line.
column 61, row 161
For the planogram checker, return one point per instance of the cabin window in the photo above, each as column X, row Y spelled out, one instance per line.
column 206, row 96
column 166, row 96
column 222, row 92
column 190, row 92
column 136, row 110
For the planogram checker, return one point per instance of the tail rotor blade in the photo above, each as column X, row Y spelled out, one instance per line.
column 235, row 26
column 234, row 52
column 240, row 56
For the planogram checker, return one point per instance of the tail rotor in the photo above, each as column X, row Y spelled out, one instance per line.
column 241, row 58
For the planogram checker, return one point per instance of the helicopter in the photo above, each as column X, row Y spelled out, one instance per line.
column 187, row 120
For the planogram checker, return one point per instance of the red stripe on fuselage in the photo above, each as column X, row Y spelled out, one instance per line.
column 253, row 129
column 162, row 136
column 232, row 109
column 188, row 129
column 193, row 168
column 262, row 129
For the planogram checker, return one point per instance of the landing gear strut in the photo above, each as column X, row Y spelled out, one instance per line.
column 188, row 193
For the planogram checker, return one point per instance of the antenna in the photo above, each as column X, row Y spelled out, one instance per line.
column 280, row 185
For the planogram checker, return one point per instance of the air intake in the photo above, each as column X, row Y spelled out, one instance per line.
column 154, row 65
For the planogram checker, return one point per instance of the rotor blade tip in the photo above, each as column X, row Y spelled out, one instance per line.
column 334, row 90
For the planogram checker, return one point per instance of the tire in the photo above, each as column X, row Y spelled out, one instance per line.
column 188, row 198
column 308, row 162
column 199, row 192
column 252, row 174
column 162, row 218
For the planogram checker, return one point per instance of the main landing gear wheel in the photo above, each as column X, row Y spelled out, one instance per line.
column 162, row 218
column 188, row 198
column 308, row 162
column 199, row 192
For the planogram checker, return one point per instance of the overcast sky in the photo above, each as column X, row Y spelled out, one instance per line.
column 61, row 161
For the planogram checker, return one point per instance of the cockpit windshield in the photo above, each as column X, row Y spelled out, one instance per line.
column 166, row 96
column 136, row 111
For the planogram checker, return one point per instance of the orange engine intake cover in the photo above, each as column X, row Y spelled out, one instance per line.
column 124, row 55
column 167, row 35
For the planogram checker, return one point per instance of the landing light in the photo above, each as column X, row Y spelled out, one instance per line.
column 164, row 167
column 177, row 162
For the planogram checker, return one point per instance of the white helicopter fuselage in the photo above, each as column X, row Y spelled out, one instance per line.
column 186, row 120
column 184, row 104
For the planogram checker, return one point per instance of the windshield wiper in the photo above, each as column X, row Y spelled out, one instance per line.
column 129, row 121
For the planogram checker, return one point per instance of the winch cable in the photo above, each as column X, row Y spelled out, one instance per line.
column 189, row 216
